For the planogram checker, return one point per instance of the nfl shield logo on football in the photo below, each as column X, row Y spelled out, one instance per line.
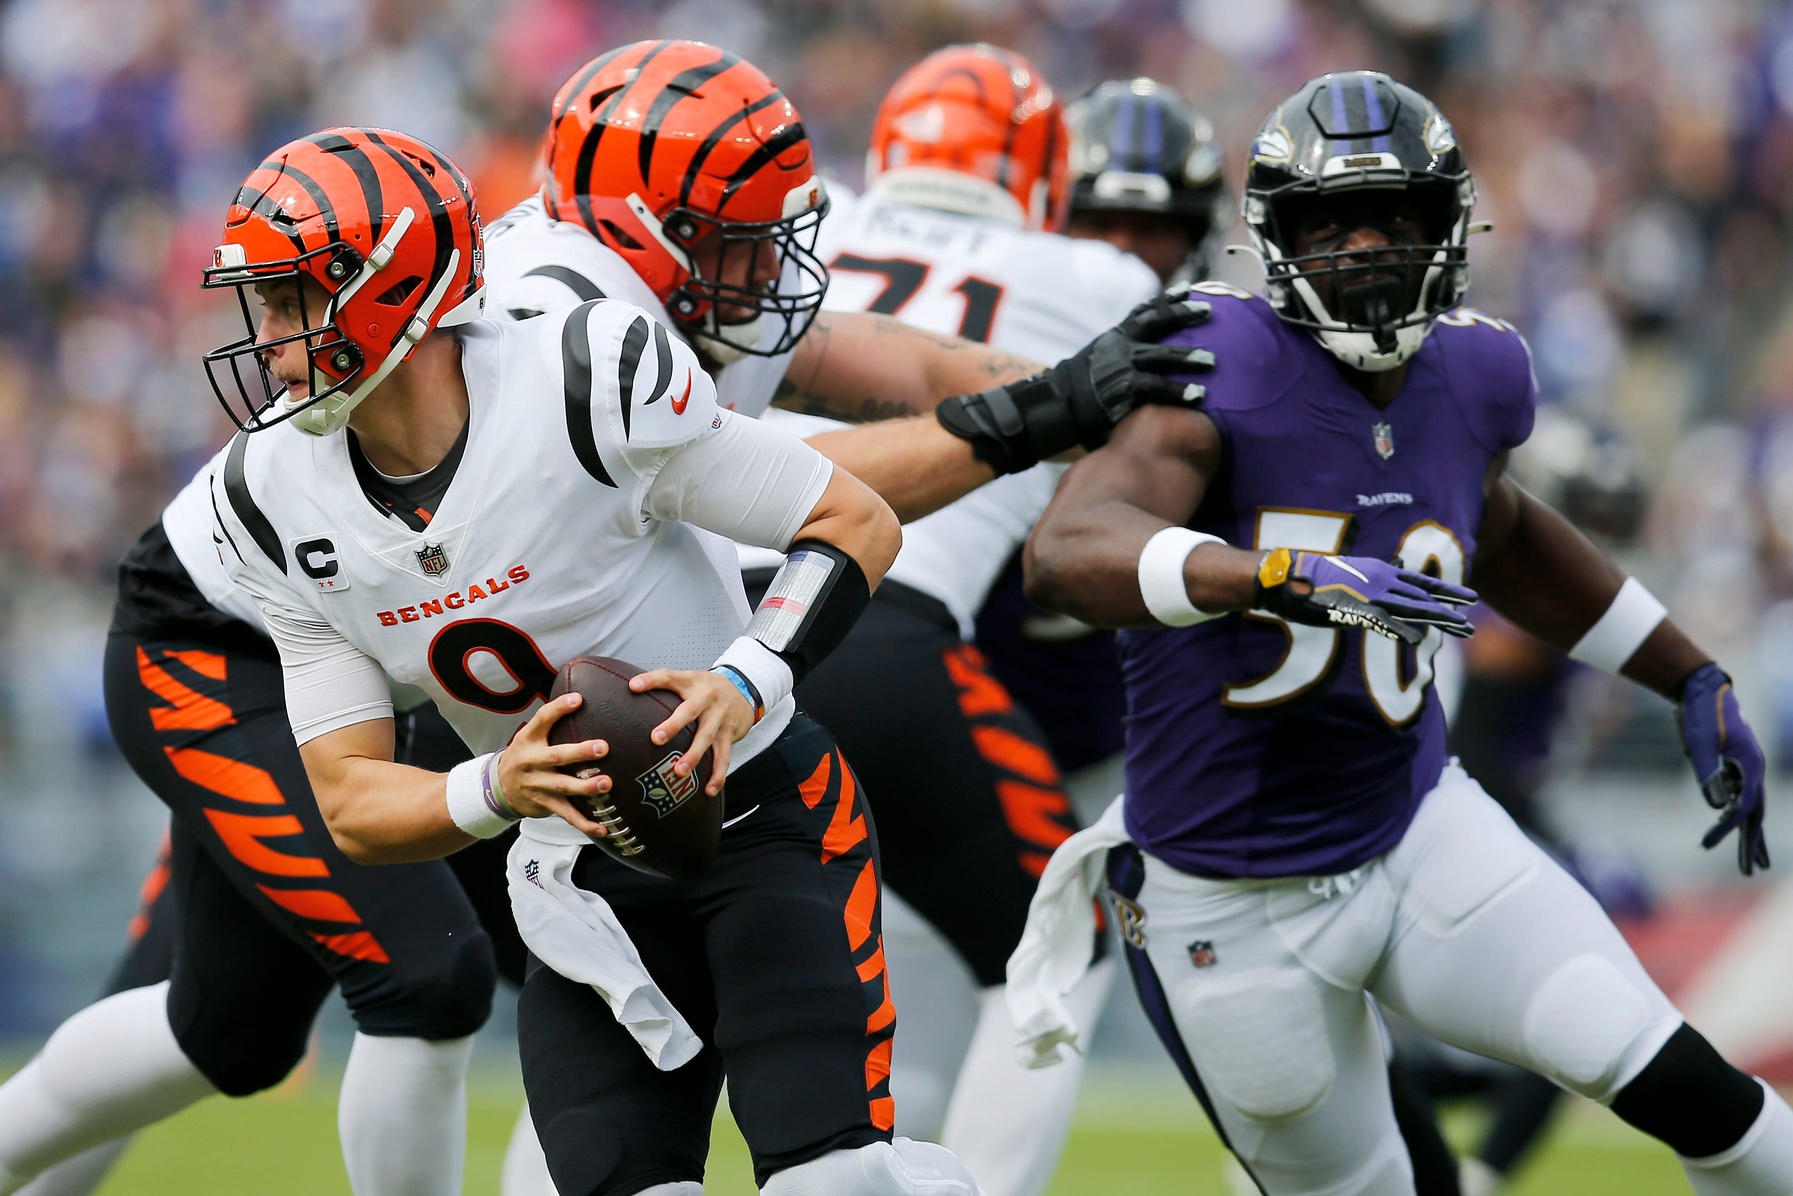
column 1201, row 953
column 664, row 790
column 1384, row 437
column 432, row 560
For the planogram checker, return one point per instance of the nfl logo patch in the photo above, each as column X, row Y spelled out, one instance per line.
column 1201, row 954
column 432, row 560
column 1384, row 437
column 663, row 790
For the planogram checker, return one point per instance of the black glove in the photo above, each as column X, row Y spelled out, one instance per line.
column 1081, row 399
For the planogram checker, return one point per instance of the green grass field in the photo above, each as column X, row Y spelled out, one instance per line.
column 1129, row 1141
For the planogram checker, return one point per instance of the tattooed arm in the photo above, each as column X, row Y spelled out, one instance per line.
column 860, row 367
column 887, row 377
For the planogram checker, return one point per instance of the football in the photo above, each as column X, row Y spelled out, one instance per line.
column 659, row 823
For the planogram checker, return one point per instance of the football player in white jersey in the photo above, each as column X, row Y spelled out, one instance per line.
column 668, row 166
column 194, row 697
column 252, row 915
column 576, row 456
column 966, row 176
column 655, row 146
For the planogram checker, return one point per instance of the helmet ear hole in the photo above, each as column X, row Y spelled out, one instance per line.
column 622, row 238
column 396, row 294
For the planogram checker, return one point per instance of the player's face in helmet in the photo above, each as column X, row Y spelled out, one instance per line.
column 1365, row 252
column 1163, row 242
column 285, row 310
column 739, row 266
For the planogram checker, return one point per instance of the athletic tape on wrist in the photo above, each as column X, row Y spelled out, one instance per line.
column 475, row 801
column 764, row 669
column 1618, row 634
column 1161, row 581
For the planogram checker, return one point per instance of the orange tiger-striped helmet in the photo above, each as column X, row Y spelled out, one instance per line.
column 973, row 129
column 692, row 165
column 387, row 226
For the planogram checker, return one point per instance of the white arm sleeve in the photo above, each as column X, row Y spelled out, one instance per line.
column 330, row 683
column 749, row 482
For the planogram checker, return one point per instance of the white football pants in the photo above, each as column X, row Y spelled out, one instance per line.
column 1466, row 928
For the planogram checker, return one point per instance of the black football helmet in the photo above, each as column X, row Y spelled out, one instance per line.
column 1365, row 143
column 1137, row 147
column 1585, row 472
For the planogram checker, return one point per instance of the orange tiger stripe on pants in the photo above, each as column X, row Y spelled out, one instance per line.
column 189, row 713
column 832, row 783
column 1028, row 783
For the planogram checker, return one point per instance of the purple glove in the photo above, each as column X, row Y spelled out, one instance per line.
column 1727, row 763
column 1359, row 591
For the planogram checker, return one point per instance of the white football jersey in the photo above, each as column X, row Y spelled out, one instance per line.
column 537, row 264
column 193, row 534
column 1039, row 295
column 533, row 265
column 540, row 550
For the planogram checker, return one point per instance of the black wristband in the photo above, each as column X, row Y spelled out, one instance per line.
column 814, row 600
column 972, row 419
column 1015, row 427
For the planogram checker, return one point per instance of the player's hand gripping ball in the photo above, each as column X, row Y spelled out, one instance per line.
column 657, row 821
column 1356, row 591
column 1727, row 762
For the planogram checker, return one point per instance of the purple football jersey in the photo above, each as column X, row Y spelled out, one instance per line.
column 1259, row 749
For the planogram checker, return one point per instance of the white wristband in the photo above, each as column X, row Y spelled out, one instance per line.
column 1161, row 581
column 766, row 669
column 477, row 808
column 1624, row 627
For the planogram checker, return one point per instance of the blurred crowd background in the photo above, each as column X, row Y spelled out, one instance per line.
column 1634, row 155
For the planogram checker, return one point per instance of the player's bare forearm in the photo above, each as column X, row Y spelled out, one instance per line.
column 859, row 366
column 1083, row 557
column 913, row 464
column 852, row 517
column 1537, row 569
column 379, row 812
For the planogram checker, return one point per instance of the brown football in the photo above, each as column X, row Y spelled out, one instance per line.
column 659, row 823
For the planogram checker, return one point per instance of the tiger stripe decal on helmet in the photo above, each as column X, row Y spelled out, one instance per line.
column 692, row 165
column 387, row 227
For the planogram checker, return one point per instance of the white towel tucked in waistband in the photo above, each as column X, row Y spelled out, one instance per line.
column 1054, row 951
column 576, row 933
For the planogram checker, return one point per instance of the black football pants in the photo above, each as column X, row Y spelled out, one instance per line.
column 970, row 802
column 776, row 959
column 255, row 913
